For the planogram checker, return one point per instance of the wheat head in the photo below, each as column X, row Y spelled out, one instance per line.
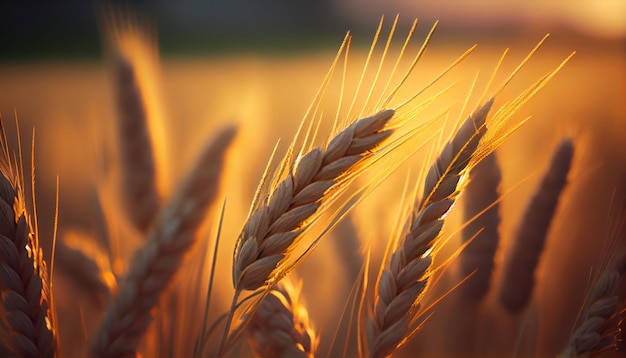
column 155, row 265
column 139, row 189
column 276, row 223
column 280, row 326
column 27, row 325
column 404, row 280
column 518, row 275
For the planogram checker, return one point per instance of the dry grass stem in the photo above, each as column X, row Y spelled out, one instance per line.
column 139, row 190
column 518, row 277
column 280, row 326
column 155, row 265
column 404, row 280
column 27, row 326
column 276, row 223
column 480, row 198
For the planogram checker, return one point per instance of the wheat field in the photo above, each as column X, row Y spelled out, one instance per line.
column 264, row 205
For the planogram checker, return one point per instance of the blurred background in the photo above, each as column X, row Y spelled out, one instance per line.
column 40, row 30
column 260, row 63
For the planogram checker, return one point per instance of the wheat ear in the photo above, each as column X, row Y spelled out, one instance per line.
column 141, row 129
column 275, row 224
column 518, row 277
column 598, row 325
column 481, row 197
column 280, row 326
column 403, row 282
column 603, row 300
column 139, row 190
column 26, row 319
column 155, row 265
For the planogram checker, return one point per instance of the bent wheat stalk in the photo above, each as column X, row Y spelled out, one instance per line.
column 403, row 282
column 27, row 327
column 155, row 265
column 280, row 326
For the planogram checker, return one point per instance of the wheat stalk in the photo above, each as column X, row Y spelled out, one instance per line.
column 27, row 327
column 276, row 223
column 518, row 275
column 155, row 265
column 403, row 282
column 280, row 326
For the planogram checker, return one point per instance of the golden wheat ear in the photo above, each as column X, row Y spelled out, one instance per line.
column 405, row 278
column 155, row 265
column 279, row 219
column 277, row 222
column 27, row 325
column 518, row 275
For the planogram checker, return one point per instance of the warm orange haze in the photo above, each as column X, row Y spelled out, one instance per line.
column 448, row 225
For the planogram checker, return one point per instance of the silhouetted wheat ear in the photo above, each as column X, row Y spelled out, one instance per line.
column 155, row 265
column 405, row 278
column 518, row 277
column 477, row 259
column 279, row 219
column 139, row 190
column 26, row 324
column 280, row 326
